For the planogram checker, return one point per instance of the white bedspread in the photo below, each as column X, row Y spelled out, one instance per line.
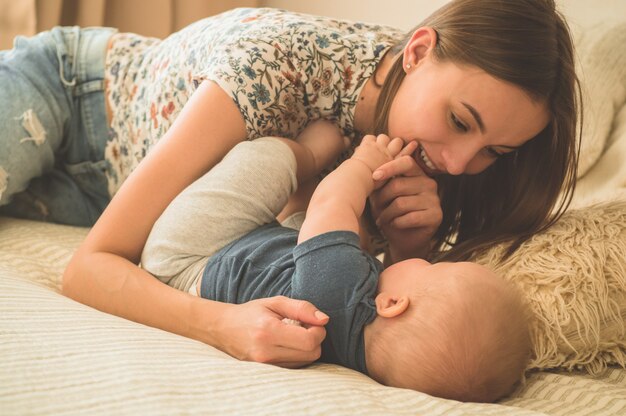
column 61, row 357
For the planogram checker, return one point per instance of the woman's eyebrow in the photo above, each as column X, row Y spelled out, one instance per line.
column 476, row 116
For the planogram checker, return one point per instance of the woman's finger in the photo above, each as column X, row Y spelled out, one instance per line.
column 298, row 310
column 303, row 340
column 404, row 186
column 284, row 356
column 402, row 205
column 307, row 337
column 295, row 363
column 415, row 219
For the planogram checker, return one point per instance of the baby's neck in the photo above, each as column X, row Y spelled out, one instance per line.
column 373, row 361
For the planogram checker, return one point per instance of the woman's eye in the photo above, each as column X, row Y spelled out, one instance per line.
column 493, row 152
column 458, row 124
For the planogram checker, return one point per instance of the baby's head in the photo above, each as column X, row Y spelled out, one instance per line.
column 452, row 330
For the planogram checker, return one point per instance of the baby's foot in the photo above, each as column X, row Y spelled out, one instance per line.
column 324, row 141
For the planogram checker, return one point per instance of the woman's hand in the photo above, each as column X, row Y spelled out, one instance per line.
column 406, row 208
column 255, row 331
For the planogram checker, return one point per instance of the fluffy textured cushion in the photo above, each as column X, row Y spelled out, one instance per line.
column 574, row 279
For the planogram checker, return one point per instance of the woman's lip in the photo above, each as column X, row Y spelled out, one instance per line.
column 418, row 158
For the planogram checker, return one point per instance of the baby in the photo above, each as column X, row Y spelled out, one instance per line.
column 452, row 330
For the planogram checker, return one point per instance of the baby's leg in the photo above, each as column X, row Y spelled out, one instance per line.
column 316, row 147
column 297, row 204
column 246, row 190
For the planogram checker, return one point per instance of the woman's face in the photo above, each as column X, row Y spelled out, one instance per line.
column 461, row 117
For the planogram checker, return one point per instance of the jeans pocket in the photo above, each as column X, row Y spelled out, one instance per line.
column 92, row 180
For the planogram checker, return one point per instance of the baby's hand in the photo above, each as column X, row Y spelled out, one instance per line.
column 375, row 151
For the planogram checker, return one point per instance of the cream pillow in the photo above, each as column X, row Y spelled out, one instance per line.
column 573, row 277
column 601, row 66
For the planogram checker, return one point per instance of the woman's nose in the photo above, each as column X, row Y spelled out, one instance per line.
column 457, row 156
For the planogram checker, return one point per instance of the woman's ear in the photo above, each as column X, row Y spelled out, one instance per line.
column 390, row 306
column 422, row 42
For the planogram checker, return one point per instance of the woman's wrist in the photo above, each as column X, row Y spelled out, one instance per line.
column 204, row 322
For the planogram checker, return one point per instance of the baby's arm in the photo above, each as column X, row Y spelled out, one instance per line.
column 339, row 200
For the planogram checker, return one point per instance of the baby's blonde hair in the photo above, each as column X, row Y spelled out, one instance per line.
column 471, row 346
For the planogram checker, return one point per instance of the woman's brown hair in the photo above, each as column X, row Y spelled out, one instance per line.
column 526, row 43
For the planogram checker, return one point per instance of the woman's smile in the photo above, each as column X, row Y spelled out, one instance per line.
column 425, row 162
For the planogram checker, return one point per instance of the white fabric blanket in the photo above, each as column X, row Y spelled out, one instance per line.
column 62, row 357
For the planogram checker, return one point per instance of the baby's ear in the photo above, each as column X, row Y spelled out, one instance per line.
column 390, row 306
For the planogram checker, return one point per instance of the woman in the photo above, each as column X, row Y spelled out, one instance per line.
column 487, row 88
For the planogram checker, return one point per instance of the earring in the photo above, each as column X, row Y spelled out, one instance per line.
column 408, row 66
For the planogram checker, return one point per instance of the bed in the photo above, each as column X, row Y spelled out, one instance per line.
column 61, row 357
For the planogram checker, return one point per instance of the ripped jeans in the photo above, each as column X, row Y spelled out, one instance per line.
column 53, row 126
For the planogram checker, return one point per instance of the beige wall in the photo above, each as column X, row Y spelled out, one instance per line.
column 405, row 14
column 147, row 17
column 161, row 17
column 16, row 17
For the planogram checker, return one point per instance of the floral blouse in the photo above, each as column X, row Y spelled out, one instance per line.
column 282, row 69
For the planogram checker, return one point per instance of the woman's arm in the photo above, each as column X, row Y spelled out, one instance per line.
column 103, row 273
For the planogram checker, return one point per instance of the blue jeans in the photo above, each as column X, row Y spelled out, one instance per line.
column 53, row 126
